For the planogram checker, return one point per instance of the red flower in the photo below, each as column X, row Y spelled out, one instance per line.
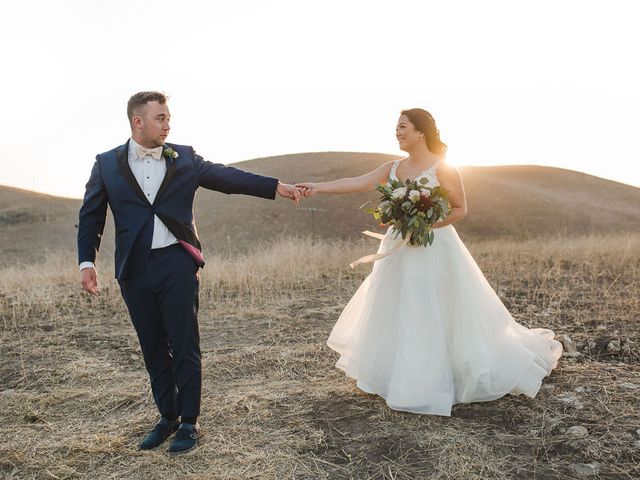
column 425, row 203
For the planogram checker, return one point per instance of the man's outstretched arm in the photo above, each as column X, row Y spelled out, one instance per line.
column 222, row 178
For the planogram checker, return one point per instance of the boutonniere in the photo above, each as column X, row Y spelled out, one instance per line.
column 169, row 153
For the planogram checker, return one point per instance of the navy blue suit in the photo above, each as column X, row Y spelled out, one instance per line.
column 160, row 286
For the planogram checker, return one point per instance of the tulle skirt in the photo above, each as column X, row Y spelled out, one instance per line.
column 425, row 331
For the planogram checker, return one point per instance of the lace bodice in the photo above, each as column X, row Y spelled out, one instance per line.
column 429, row 174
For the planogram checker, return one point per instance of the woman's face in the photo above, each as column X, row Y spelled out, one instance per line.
column 407, row 135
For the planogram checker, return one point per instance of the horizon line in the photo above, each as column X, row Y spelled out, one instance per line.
column 392, row 155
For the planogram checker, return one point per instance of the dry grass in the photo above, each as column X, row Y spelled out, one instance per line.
column 75, row 397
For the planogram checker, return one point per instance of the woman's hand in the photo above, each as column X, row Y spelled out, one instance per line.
column 307, row 189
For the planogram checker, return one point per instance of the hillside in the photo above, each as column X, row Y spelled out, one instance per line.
column 32, row 225
column 515, row 202
column 518, row 202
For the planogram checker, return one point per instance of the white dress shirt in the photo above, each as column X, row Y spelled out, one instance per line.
column 149, row 173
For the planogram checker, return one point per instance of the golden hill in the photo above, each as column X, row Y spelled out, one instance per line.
column 515, row 202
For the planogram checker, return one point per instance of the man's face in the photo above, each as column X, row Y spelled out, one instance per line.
column 152, row 124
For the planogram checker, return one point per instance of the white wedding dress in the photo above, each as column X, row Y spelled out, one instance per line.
column 425, row 330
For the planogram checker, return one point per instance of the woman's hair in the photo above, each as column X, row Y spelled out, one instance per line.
column 424, row 123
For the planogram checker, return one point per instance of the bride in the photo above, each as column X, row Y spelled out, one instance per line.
column 425, row 330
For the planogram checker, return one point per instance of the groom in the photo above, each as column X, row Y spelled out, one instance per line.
column 150, row 186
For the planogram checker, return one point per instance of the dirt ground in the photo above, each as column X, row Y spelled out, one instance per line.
column 75, row 398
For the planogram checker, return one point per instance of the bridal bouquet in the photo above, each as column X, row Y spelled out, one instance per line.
column 411, row 209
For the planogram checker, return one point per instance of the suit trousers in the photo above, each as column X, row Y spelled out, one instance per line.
column 163, row 305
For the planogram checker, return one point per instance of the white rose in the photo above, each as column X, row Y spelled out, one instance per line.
column 399, row 192
column 414, row 195
column 384, row 205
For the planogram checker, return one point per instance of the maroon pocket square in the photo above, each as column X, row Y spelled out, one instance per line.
column 195, row 253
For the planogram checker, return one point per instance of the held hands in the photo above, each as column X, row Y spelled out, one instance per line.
column 307, row 189
column 89, row 280
column 297, row 191
column 289, row 191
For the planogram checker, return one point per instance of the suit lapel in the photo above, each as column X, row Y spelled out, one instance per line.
column 171, row 169
column 122, row 157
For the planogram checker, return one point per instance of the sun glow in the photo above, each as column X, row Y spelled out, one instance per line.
column 285, row 86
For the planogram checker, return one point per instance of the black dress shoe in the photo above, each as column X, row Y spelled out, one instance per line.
column 186, row 438
column 159, row 434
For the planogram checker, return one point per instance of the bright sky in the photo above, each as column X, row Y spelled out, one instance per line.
column 508, row 82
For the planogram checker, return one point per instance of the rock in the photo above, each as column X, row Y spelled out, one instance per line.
column 613, row 346
column 10, row 392
column 585, row 469
column 628, row 386
column 629, row 347
column 569, row 399
column 571, row 354
column 601, row 328
column 577, row 431
column 636, row 444
column 638, row 432
column 567, row 343
column 582, row 389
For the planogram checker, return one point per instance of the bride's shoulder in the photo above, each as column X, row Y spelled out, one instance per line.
column 446, row 168
column 390, row 165
column 395, row 163
column 446, row 171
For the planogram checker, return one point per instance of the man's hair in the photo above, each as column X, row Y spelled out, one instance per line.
column 142, row 98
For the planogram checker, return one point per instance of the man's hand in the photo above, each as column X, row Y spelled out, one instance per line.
column 89, row 280
column 289, row 191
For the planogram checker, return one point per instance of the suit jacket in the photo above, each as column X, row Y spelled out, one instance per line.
column 112, row 183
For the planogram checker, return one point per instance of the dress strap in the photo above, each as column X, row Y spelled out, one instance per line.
column 392, row 172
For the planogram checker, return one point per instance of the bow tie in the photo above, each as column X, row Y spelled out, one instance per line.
column 152, row 152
